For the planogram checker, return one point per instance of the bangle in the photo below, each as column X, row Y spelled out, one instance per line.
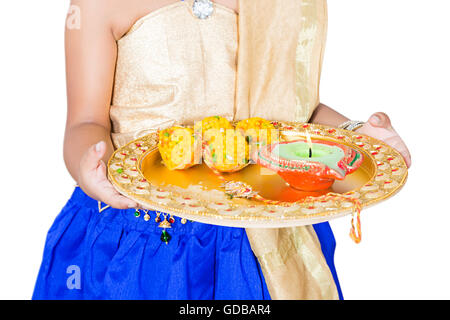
column 351, row 125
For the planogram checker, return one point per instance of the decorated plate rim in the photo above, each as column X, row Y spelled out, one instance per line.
column 213, row 216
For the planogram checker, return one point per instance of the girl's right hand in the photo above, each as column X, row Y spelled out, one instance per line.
column 92, row 179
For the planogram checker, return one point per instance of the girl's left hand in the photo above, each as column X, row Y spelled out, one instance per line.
column 379, row 126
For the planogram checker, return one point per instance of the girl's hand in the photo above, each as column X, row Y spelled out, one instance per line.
column 92, row 179
column 379, row 126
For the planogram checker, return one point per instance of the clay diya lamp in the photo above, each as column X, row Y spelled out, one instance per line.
column 310, row 166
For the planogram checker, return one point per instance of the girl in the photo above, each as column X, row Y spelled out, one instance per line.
column 140, row 65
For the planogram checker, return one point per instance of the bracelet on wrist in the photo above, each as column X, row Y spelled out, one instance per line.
column 351, row 125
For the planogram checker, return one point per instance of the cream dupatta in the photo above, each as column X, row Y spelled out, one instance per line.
column 280, row 56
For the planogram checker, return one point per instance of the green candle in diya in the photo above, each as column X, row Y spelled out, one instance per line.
column 299, row 150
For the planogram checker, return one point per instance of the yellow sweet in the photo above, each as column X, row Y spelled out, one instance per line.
column 257, row 130
column 177, row 148
column 225, row 148
column 215, row 122
column 226, row 151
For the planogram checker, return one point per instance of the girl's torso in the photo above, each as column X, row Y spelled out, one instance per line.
column 173, row 68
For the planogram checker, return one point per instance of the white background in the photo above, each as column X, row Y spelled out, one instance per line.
column 383, row 55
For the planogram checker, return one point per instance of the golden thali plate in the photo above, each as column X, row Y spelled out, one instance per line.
column 136, row 171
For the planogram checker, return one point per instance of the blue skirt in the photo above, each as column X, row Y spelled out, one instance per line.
column 116, row 255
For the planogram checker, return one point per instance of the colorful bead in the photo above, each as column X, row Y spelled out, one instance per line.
column 165, row 237
column 137, row 214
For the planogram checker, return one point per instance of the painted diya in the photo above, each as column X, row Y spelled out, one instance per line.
column 310, row 166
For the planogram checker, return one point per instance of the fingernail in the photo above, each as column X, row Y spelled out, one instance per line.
column 376, row 120
column 132, row 205
column 98, row 146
